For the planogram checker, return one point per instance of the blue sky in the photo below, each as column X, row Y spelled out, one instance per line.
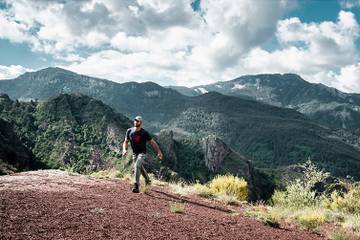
column 184, row 42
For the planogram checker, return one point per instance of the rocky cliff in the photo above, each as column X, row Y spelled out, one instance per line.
column 211, row 156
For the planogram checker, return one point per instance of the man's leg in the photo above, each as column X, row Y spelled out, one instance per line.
column 143, row 171
column 135, row 173
column 133, row 157
column 138, row 167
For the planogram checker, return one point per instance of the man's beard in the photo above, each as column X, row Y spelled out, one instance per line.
column 137, row 125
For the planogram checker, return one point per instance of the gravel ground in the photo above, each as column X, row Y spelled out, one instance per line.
column 51, row 204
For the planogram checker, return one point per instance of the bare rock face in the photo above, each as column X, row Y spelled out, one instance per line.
column 96, row 162
column 68, row 155
column 215, row 151
column 219, row 158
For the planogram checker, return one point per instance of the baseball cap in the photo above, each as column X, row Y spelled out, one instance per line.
column 139, row 118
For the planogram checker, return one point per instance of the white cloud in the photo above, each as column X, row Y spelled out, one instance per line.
column 96, row 39
column 12, row 30
column 238, row 26
column 326, row 40
column 348, row 4
column 12, row 71
column 127, row 43
column 316, row 51
column 349, row 78
column 124, row 67
column 161, row 14
column 186, row 48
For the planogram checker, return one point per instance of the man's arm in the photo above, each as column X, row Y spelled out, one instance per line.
column 156, row 148
column 125, row 146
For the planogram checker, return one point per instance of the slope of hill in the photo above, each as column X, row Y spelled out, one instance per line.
column 324, row 104
column 73, row 130
column 55, row 205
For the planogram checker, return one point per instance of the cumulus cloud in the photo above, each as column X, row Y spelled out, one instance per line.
column 239, row 26
column 193, row 48
column 349, row 78
column 124, row 67
column 12, row 30
column 160, row 14
column 12, row 71
column 320, row 52
column 58, row 27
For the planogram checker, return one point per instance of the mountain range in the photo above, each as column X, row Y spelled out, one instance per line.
column 271, row 136
column 321, row 103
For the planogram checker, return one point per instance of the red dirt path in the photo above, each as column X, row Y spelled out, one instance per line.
column 50, row 204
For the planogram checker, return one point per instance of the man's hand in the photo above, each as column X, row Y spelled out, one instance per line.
column 160, row 155
column 124, row 152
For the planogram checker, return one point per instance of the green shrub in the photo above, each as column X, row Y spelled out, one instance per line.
column 311, row 220
column 297, row 195
column 351, row 201
column 348, row 203
column 334, row 201
column 230, row 185
column 300, row 193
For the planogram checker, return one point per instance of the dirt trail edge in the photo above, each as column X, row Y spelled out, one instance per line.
column 51, row 204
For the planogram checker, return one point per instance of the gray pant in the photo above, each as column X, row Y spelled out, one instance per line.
column 138, row 161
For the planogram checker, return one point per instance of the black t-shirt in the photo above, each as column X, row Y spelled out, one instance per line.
column 138, row 139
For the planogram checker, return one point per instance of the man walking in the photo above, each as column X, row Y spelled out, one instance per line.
column 138, row 138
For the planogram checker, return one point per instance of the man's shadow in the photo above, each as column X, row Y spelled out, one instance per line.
column 174, row 198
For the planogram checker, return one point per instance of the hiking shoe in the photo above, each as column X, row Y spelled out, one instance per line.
column 136, row 188
column 148, row 182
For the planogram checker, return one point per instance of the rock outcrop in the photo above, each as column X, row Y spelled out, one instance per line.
column 215, row 152
column 221, row 159
column 167, row 144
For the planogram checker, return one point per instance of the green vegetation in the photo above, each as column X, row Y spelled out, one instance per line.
column 231, row 186
column 227, row 189
column 70, row 131
column 311, row 220
column 191, row 165
column 313, row 200
column 300, row 193
column 341, row 235
column 345, row 202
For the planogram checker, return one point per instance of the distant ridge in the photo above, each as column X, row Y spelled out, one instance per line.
column 321, row 103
